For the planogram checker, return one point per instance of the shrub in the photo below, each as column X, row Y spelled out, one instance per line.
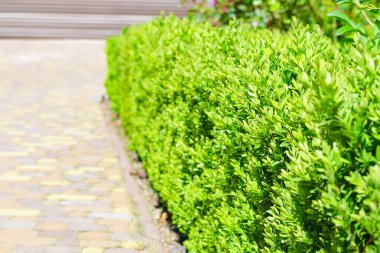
column 278, row 13
column 257, row 141
column 274, row 13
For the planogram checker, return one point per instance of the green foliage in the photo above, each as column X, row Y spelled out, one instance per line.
column 257, row 141
column 367, row 28
column 274, row 13
column 346, row 16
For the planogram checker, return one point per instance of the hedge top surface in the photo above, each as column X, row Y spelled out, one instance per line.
column 256, row 141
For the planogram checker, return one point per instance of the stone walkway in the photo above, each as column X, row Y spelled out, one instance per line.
column 61, row 186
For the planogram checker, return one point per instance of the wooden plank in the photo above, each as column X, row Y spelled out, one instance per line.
column 145, row 7
column 78, row 18
column 70, row 20
column 56, row 33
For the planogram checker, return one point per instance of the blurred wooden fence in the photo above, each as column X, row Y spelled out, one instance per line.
column 77, row 18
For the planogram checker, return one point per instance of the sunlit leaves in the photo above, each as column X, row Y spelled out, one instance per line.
column 256, row 141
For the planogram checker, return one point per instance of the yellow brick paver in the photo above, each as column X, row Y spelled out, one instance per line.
column 61, row 185
column 52, row 226
column 54, row 182
column 92, row 250
column 19, row 212
column 71, row 197
column 93, row 235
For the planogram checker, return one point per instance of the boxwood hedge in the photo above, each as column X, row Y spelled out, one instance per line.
column 256, row 140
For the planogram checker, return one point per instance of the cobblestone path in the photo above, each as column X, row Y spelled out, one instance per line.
column 61, row 186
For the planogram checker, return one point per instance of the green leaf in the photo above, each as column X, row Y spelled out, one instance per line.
column 377, row 23
column 343, row 17
column 242, row 7
column 344, row 29
column 378, row 153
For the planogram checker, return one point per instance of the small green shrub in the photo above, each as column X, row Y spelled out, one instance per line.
column 273, row 13
column 348, row 16
column 256, row 141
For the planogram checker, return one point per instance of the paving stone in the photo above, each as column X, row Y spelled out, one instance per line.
column 71, row 197
column 121, row 250
column 17, row 225
column 45, row 249
column 93, row 235
column 66, row 241
column 57, row 234
column 78, row 214
column 19, row 212
column 110, row 215
column 99, row 243
column 12, row 154
column 123, row 210
column 87, row 227
column 53, row 226
column 61, row 187
column 35, row 167
column 37, row 241
column 93, row 250
column 133, row 245
column 47, row 161
column 123, row 236
column 14, row 178
column 91, row 168
column 54, row 182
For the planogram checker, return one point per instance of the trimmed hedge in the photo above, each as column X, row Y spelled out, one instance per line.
column 256, row 141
